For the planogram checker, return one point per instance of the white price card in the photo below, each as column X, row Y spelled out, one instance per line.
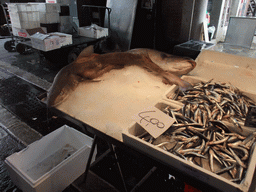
column 154, row 121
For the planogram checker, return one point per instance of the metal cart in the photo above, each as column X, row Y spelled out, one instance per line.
column 15, row 44
column 68, row 53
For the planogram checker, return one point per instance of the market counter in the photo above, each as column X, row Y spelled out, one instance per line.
column 109, row 106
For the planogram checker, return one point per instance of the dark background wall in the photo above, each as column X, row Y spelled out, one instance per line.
column 81, row 13
column 161, row 27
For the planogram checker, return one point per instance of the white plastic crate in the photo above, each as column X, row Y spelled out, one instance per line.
column 51, row 163
column 49, row 17
column 16, row 7
column 48, row 7
column 25, row 19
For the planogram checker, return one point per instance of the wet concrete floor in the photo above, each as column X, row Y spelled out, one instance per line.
column 23, row 119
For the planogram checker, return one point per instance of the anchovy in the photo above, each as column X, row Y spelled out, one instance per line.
column 244, row 150
column 188, row 150
column 237, row 158
column 211, row 159
column 163, row 143
column 218, row 142
column 225, row 169
column 240, row 173
column 194, row 154
column 232, row 173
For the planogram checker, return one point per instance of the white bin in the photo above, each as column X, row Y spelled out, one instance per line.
column 51, row 163
column 16, row 7
column 48, row 7
column 49, row 17
column 25, row 19
column 93, row 31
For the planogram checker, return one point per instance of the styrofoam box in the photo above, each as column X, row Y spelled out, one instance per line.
column 48, row 7
column 51, row 163
column 45, row 42
column 49, row 17
column 25, row 20
column 129, row 138
column 16, row 7
column 91, row 32
column 63, row 2
column 65, row 39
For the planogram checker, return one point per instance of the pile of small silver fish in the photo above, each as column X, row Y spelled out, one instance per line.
column 214, row 101
column 200, row 135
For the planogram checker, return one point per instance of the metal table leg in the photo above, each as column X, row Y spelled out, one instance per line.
column 90, row 158
column 112, row 148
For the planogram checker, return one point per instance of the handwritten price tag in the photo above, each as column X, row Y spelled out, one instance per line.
column 154, row 121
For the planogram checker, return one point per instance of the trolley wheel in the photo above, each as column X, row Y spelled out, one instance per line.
column 73, row 54
column 9, row 45
column 20, row 48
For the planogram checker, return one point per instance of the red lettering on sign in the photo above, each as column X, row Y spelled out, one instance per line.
column 22, row 34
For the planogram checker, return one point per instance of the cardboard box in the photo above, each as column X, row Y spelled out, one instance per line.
column 93, row 31
column 49, row 17
column 65, row 39
column 45, row 42
column 25, row 19
column 51, row 163
column 130, row 138
column 240, row 71
column 26, row 33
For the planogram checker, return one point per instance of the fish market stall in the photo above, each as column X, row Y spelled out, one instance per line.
column 111, row 104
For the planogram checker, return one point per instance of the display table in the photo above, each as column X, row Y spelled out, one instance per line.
column 107, row 106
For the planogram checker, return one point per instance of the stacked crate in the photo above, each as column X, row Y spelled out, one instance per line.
column 49, row 13
column 49, row 16
column 65, row 19
column 24, row 15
